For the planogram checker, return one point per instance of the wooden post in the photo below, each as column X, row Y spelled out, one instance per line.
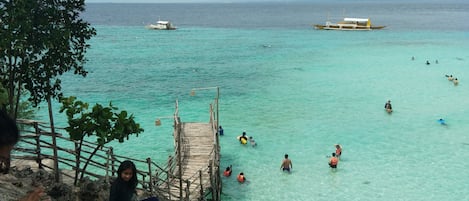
column 169, row 187
column 219, row 186
column 169, row 165
column 38, row 145
column 201, row 186
column 188, row 193
column 180, row 160
column 218, row 97
column 217, row 174
column 149, row 173
column 210, row 173
column 143, row 180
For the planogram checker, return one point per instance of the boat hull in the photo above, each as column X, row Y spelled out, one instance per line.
column 160, row 27
column 347, row 28
column 350, row 24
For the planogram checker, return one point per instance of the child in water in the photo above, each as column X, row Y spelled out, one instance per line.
column 252, row 141
column 338, row 150
column 124, row 187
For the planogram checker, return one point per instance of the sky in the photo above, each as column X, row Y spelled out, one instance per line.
column 179, row 1
column 244, row 1
column 202, row 1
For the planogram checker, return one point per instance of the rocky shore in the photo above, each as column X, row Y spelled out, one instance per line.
column 18, row 182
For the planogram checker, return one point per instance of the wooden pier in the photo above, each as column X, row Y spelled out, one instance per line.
column 197, row 152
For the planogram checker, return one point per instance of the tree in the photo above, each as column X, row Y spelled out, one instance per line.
column 39, row 41
column 102, row 122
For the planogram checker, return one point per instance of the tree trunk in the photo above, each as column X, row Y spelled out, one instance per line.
column 77, row 161
column 54, row 141
column 88, row 161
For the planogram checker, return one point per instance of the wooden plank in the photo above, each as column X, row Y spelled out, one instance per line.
column 198, row 145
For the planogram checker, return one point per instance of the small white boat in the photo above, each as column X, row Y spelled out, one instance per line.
column 354, row 24
column 161, row 25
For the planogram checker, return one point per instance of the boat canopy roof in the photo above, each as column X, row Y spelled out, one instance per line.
column 162, row 22
column 356, row 19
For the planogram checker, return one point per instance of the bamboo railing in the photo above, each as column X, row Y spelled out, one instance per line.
column 35, row 145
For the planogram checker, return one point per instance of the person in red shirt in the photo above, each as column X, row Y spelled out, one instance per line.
column 227, row 171
column 333, row 161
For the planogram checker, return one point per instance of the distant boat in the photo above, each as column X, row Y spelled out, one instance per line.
column 353, row 24
column 161, row 25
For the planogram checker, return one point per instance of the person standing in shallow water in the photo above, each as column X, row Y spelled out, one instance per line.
column 220, row 131
column 338, row 150
column 286, row 164
column 333, row 161
column 388, row 106
column 124, row 187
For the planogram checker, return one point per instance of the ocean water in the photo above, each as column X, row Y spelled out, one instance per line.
column 296, row 90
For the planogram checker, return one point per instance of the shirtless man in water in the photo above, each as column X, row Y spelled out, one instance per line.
column 286, row 164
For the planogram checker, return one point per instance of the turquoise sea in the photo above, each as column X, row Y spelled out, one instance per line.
column 296, row 90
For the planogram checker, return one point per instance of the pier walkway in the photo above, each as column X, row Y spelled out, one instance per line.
column 197, row 155
column 199, row 164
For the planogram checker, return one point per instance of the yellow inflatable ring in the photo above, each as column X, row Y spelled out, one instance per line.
column 243, row 141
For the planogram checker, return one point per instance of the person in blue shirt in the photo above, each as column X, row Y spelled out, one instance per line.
column 220, row 130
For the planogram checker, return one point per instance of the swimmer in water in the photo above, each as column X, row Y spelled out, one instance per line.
column 333, row 161
column 388, row 106
column 455, row 81
column 228, row 171
column 442, row 122
column 286, row 164
column 338, row 150
column 252, row 141
column 450, row 78
column 241, row 178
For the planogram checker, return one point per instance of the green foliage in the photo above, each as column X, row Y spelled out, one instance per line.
column 3, row 97
column 104, row 122
column 25, row 109
column 39, row 41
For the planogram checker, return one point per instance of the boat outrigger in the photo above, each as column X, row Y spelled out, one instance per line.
column 354, row 24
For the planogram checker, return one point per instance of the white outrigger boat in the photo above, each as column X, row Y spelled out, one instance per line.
column 161, row 25
column 354, row 24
